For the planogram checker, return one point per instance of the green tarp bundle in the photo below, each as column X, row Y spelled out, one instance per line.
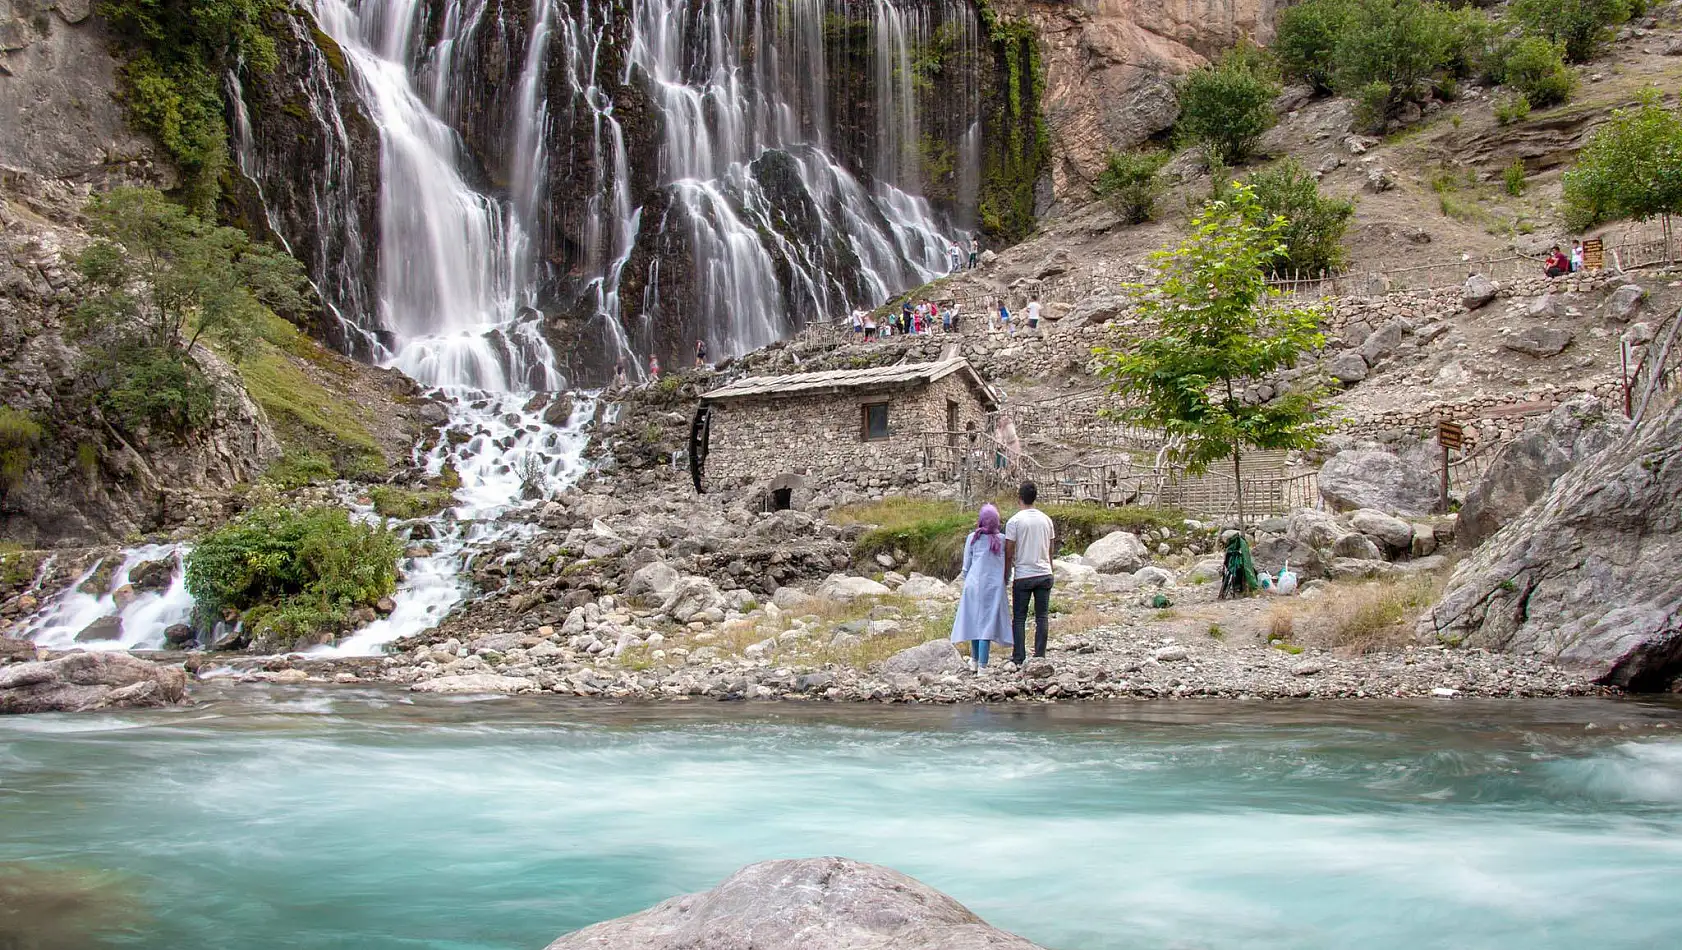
column 1238, row 571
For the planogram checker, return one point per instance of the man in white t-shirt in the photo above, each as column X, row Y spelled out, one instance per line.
column 1030, row 539
column 1033, row 316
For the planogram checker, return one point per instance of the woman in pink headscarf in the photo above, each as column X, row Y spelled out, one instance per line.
column 983, row 610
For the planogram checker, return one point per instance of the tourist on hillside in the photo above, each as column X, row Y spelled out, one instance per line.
column 653, row 367
column 1576, row 256
column 858, row 322
column 952, row 315
column 1004, row 315
column 1556, row 264
column 983, row 617
column 869, row 327
column 619, row 375
column 974, row 252
column 905, row 310
column 952, row 255
column 946, row 318
column 1029, row 543
column 1033, row 316
column 700, row 353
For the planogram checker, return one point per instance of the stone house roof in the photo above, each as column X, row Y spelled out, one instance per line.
column 874, row 379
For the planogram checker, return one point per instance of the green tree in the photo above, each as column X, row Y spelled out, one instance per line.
column 1389, row 48
column 156, row 280
column 1582, row 26
column 1218, row 325
column 1536, row 67
column 1227, row 105
column 1630, row 168
column 178, row 52
column 1131, row 182
column 19, row 436
column 1306, row 37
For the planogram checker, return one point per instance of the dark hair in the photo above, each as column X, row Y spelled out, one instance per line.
column 1028, row 492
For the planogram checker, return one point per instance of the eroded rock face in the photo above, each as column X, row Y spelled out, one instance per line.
column 1588, row 574
column 1110, row 68
column 832, row 903
column 87, row 681
column 1523, row 469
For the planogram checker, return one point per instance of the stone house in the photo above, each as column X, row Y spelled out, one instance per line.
column 862, row 429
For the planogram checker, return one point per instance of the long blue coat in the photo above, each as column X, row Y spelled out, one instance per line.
column 984, row 608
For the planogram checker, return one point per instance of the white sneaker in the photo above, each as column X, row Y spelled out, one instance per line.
column 971, row 663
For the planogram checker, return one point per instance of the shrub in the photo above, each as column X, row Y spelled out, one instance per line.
column 1389, row 48
column 1314, row 223
column 1628, row 168
column 296, row 470
column 301, row 568
column 391, row 501
column 153, row 388
column 1306, row 36
column 1131, row 183
column 1511, row 107
column 1582, row 26
column 19, row 436
column 1226, row 106
column 1536, row 68
column 1513, row 177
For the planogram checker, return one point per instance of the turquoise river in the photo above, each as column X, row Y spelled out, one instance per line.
column 277, row 818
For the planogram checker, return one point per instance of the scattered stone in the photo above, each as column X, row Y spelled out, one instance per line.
column 1171, row 654
column 1307, row 668
column 1547, row 306
column 1540, row 342
column 180, row 635
column 1443, row 692
column 1379, row 179
column 842, row 587
column 1393, row 533
column 105, row 628
column 475, row 683
column 1371, row 478
column 1347, row 367
column 1477, row 291
column 1623, row 303
column 1118, row 552
column 1152, row 576
column 935, row 656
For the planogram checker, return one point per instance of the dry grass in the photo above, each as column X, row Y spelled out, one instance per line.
column 1374, row 615
column 1282, row 622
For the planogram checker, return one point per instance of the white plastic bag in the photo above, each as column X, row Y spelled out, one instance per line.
column 1287, row 582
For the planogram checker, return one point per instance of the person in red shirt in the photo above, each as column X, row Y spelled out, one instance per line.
column 1556, row 263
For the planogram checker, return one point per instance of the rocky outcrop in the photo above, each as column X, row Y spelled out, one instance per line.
column 87, row 481
column 308, row 157
column 832, row 903
column 1588, row 574
column 1524, row 469
column 1372, row 478
column 87, row 681
column 1111, row 65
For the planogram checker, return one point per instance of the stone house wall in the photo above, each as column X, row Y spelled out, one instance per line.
column 820, row 437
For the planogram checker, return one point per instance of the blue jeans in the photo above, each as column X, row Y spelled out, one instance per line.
column 978, row 650
column 1022, row 589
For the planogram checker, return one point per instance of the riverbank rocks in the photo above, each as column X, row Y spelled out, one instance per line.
column 1372, row 478
column 1588, row 574
column 805, row 904
column 87, row 681
column 475, row 683
column 935, row 656
column 924, row 587
column 1118, row 552
column 841, row 587
column 1524, row 469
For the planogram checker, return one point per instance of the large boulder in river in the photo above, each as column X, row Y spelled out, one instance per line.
column 1373, row 478
column 1587, row 576
column 86, row 681
column 1524, row 469
column 1117, row 553
column 805, row 904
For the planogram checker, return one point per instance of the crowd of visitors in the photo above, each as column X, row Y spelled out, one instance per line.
column 1558, row 263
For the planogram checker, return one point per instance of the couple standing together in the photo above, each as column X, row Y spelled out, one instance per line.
column 1016, row 558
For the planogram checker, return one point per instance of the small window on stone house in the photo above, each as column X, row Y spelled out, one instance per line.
column 873, row 421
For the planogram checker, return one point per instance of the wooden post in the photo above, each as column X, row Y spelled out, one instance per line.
column 1443, row 501
column 1623, row 360
column 1450, row 436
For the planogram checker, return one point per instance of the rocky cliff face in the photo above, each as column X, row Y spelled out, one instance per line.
column 1110, row 68
column 1588, row 574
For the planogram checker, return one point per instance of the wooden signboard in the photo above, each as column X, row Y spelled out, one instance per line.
column 1450, row 435
column 1594, row 254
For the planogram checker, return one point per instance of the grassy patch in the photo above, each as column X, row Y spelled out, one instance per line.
column 931, row 533
column 298, row 469
column 390, row 501
column 18, row 567
column 1375, row 615
column 307, row 416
